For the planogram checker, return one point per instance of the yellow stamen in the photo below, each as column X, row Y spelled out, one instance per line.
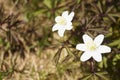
column 91, row 46
column 62, row 21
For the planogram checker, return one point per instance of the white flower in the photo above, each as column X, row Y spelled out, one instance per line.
column 63, row 23
column 93, row 48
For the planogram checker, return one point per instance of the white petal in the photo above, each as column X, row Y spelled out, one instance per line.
column 87, row 38
column 56, row 27
column 81, row 47
column 97, row 57
column 104, row 49
column 69, row 27
column 58, row 18
column 99, row 39
column 85, row 56
column 69, row 23
column 71, row 15
column 65, row 14
column 61, row 32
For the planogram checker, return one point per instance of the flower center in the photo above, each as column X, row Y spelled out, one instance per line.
column 62, row 21
column 91, row 46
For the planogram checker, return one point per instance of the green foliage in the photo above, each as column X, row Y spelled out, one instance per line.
column 96, row 76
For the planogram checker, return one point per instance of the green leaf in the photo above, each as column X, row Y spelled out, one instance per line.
column 115, row 14
column 48, row 3
column 1, row 76
column 109, row 9
column 1, row 41
column 87, row 77
column 57, row 56
column 38, row 12
column 69, row 51
column 102, row 76
column 111, row 17
column 68, row 57
column 78, row 1
column 7, row 46
column 100, row 7
column 103, row 73
column 114, row 43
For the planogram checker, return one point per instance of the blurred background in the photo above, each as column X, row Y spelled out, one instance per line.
column 29, row 50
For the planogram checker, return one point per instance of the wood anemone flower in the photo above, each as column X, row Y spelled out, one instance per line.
column 63, row 23
column 92, row 48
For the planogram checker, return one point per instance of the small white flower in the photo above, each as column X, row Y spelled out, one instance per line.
column 63, row 23
column 93, row 48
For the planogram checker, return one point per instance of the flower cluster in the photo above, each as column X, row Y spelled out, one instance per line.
column 92, row 48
